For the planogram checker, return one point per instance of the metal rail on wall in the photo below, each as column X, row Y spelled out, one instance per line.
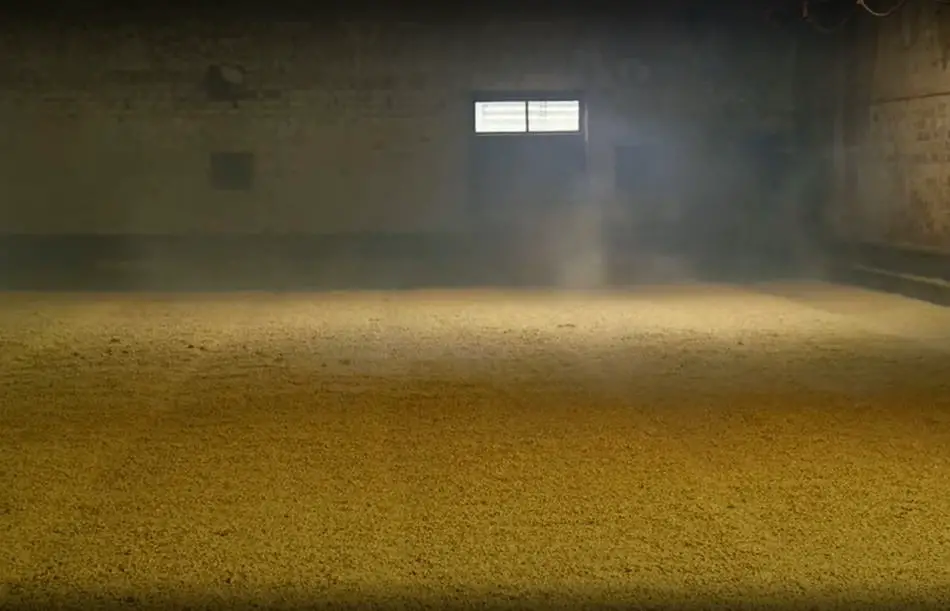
column 908, row 248
column 906, row 98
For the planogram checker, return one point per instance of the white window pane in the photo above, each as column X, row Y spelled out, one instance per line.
column 554, row 116
column 500, row 117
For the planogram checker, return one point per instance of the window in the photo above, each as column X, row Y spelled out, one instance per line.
column 232, row 171
column 554, row 116
column 528, row 116
column 500, row 118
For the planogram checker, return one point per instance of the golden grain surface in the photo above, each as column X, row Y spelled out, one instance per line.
column 664, row 444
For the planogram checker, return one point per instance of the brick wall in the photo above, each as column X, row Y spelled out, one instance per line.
column 894, row 124
column 358, row 127
column 111, row 131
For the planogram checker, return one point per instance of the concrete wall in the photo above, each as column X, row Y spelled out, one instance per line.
column 356, row 127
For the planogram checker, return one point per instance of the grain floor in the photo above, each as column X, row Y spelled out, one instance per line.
column 673, row 447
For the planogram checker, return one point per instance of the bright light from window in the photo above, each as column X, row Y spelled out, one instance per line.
column 500, row 118
column 554, row 116
column 523, row 116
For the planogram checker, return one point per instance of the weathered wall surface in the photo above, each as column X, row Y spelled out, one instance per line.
column 110, row 130
column 894, row 131
column 354, row 127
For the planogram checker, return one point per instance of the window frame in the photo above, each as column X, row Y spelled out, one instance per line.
column 526, row 97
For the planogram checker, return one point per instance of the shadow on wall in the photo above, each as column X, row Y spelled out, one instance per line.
column 571, row 249
column 725, row 225
column 735, row 210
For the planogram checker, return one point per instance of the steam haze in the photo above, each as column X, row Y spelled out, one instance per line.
column 343, row 155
